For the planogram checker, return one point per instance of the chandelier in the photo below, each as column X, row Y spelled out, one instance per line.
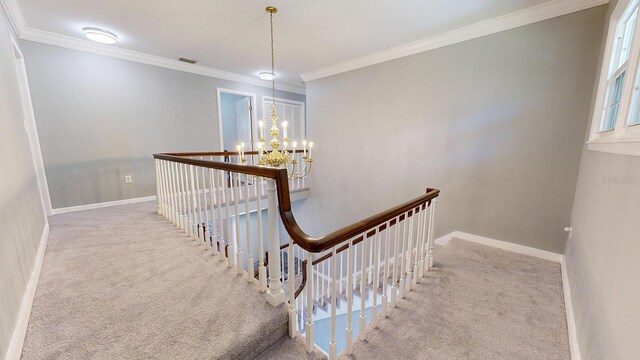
column 278, row 157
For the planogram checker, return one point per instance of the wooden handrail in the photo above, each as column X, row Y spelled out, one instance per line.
column 302, row 239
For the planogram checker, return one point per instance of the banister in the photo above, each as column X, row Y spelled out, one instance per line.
column 302, row 239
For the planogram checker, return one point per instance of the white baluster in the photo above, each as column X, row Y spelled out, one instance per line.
column 170, row 175
column 247, row 219
column 374, row 286
column 215, row 205
column 409, row 250
column 182, row 198
column 309, row 343
column 275, row 296
column 394, row 279
column 227, row 228
column 349, row 330
column 208, row 235
column 341, row 274
column 262, row 270
column 332, row 340
column 175, row 200
column 385, row 275
column 431, row 231
column 199, row 217
column 165, row 188
column 403, row 248
column 158, row 195
column 417, row 214
column 292, row 289
column 235, row 182
column 194, row 204
column 423, row 237
column 363, row 288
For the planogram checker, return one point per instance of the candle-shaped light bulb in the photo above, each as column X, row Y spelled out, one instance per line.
column 310, row 146
column 304, row 147
column 284, row 129
column 239, row 148
column 261, row 126
column 242, row 149
column 294, row 145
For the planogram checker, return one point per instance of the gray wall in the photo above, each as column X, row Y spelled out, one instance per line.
column 496, row 123
column 602, row 255
column 21, row 217
column 102, row 118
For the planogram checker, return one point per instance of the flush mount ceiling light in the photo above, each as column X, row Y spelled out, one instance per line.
column 99, row 35
column 267, row 75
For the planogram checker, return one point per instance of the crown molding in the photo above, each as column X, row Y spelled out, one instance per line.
column 14, row 14
column 68, row 42
column 48, row 38
column 513, row 20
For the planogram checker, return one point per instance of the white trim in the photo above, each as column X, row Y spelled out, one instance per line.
column 542, row 254
column 31, row 126
column 513, row 20
column 102, row 205
column 519, row 249
column 622, row 139
column 68, row 42
column 24, row 32
column 568, row 306
column 20, row 331
column 254, row 113
column 14, row 14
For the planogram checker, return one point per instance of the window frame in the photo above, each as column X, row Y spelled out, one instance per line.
column 624, row 138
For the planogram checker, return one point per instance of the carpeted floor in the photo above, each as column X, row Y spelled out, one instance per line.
column 477, row 303
column 124, row 283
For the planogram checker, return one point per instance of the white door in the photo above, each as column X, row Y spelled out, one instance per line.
column 243, row 121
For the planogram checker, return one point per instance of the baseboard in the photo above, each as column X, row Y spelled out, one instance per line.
column 520, row 249
column 542, row 254
column 571, row 320
column 101, row 205
column 20, row 331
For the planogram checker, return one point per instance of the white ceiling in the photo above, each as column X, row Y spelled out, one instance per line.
column 233, row 35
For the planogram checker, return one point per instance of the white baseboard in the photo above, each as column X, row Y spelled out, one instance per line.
column 520, row 249
column 542, row 254
column 571, row 320
column 20, row 331
column 101, row 205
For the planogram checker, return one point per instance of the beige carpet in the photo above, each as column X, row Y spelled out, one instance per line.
column 477, row 303
column 124, row 283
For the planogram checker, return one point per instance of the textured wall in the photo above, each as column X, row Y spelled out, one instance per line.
column 602, row 255
column 497, row 123
column 21, row 217
column 102, row 118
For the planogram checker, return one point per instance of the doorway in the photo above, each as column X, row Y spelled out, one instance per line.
column 237, row 116
column 31, row 128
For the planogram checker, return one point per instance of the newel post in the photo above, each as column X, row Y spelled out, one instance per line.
column 275, row 295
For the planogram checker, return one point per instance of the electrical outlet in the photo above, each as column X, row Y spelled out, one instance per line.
column 127, row 179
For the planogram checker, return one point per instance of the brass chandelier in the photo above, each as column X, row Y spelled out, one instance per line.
column 280, row 157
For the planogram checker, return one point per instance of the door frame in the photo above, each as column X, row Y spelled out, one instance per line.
column 30, row 125
column 254, row 112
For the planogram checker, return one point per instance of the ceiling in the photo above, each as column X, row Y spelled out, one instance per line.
column 233, row 35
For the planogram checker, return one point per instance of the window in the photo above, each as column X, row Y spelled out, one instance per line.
column 618, row 97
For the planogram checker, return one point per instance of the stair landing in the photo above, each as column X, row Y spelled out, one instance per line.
column 124, row 283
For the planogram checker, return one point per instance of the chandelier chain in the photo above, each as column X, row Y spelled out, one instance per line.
column 273, row 63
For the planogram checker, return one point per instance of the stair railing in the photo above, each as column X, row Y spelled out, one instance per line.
column 357, row 268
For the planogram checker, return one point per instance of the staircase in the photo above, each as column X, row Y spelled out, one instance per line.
column 334, row 289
